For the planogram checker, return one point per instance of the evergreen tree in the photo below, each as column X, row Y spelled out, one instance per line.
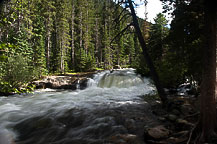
column 60, row 35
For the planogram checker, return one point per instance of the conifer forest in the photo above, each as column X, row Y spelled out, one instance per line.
column 44, row 36
column 98, row 53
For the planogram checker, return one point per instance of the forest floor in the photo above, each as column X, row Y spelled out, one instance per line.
column 176, row 121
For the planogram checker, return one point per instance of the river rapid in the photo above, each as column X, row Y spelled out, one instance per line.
column 110, row 110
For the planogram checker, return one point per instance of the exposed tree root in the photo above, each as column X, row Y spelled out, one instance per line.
column 196, row 136
column 195, row 114
column 190, row 135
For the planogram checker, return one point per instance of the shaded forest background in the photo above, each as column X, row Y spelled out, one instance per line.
column 41, row 37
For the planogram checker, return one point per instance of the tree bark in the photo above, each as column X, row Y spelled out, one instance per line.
column 97, row 42
column 61, row 57
column 72, row 36
column 207, row 99
column 81, row 37
column 48, row 51
column 149, row 62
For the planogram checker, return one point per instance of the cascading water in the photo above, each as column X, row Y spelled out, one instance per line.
column 93, row 115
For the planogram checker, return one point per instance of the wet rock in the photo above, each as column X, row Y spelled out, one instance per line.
column 107, row 119
column 32, row 124
column 71, row 118
column 156, row 133
column 130, row 123
column 83, row 83
column 119, row 129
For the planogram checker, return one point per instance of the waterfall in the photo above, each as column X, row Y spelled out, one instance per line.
column 123, row 78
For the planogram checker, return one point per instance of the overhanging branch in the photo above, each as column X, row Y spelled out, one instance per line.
column 121, row 32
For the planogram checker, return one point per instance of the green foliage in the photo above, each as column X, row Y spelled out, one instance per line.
column 158, row 33
column 185, row 39
column 90, row 63
column 16, row 74
column 61, row 36
column 18, row 71
column 170, row 72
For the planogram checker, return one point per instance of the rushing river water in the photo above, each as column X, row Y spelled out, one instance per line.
column 106, row 111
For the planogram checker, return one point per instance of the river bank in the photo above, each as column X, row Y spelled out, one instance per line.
column 61, row 81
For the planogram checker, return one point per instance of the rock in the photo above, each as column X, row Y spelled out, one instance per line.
column 116, row 140
column 130, row 123
column 124, row 139
column 174, row 140
column 162, row 119
column 129, row 138
column 156, row 133
column 183, row 124
column 186, row 109
column 83, row 83
column 175, row 112
column 117, row 67
column 61, row 82
column 171, row 117
column 181, row 134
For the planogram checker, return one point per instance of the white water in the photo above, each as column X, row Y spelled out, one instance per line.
column 105, row 89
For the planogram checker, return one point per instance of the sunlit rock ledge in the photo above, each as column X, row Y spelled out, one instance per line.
column 68, row 81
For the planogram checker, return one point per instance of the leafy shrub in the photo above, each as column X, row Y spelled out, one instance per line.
column 15, row 74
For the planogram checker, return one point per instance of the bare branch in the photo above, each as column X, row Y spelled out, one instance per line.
column 120, row 14
column 121, row 32
column 125, row 17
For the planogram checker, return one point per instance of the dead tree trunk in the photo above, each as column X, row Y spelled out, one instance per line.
column 149, row 62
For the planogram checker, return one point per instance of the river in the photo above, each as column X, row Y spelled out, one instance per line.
column 110, row 110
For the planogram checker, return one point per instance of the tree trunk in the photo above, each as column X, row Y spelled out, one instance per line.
column 72, row 36
column 48, row 41
column 81, row 37
column 87, row 31
column 207, row 99
column 48, row 51
column 61, row 56
column 149, row 62
column 97, row 41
